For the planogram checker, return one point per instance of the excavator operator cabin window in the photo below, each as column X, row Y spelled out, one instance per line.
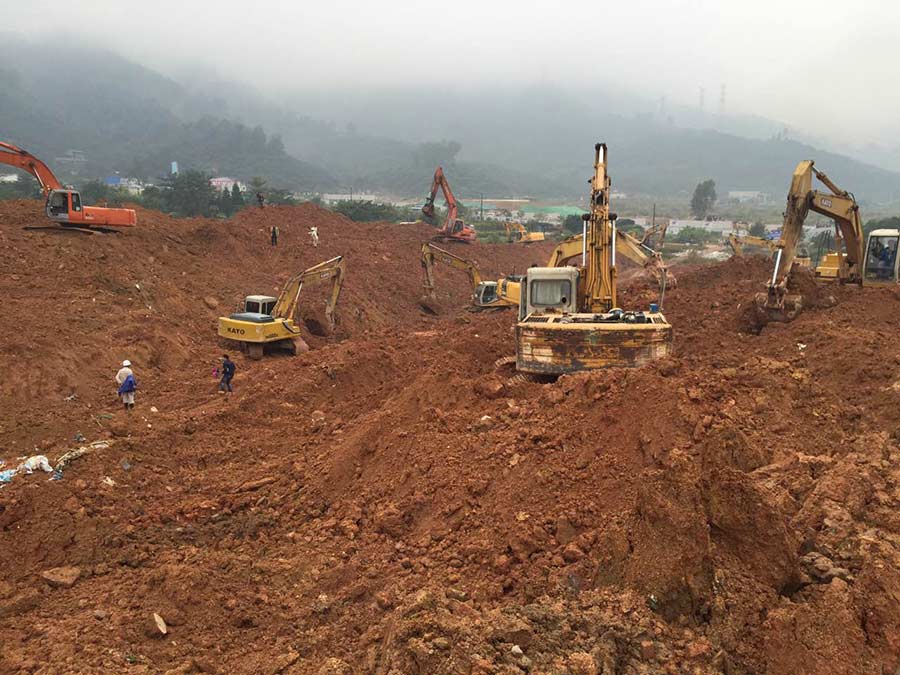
column 880, row 258
column 76, row 201
column 550, row 292
column 59, row 202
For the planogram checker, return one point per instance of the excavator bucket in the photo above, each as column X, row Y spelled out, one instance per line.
column 429, row 305
column 782, row 310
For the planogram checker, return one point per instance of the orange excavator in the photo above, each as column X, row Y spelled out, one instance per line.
column 454, row 229
column 64, row 205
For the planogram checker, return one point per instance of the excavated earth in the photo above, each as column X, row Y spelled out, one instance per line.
column 394, row 502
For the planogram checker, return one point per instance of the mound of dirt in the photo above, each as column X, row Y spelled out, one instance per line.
column 390, row 502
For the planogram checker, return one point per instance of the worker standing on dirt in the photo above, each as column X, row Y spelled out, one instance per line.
column 228, row 369
column 127, row 384
column 261, row 199
column 274, row 234
column 314, row 235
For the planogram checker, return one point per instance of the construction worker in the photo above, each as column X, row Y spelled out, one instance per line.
column 261, row 199
column 127, row 384
column 314, row 235
column 274, row 234
column 228, row 369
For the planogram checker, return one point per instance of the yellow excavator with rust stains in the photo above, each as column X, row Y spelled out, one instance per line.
column 569, row 318
column 266, row 322
column 500, row 294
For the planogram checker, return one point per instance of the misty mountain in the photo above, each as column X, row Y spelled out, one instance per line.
column 552, row 130
column 127, row 118
column 500, row 141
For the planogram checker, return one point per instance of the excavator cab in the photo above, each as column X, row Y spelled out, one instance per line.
column 64, row 205
column 880, row 265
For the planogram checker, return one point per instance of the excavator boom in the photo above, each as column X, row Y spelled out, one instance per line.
column 13, row 156
column 330, row 270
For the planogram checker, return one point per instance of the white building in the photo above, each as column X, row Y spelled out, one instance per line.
column 748, row 197
column 225, row 183
column 9, row 178
column 722, row 227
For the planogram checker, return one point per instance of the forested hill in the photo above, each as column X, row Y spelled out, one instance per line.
column 501, row 142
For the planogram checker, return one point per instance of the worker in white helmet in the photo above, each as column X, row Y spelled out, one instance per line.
column 127, row 384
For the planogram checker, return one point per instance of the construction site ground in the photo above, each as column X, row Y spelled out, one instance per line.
column 394, row 502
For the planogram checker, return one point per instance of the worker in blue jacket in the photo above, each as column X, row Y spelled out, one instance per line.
column 228, row 369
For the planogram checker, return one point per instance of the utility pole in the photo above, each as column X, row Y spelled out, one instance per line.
column 653, row 217
column 482, row 207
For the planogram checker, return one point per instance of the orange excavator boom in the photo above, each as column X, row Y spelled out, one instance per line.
column 13, row 156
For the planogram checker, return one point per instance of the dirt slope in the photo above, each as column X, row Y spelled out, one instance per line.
column 390, row 502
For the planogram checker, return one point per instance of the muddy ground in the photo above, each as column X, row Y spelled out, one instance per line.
column 392, row 502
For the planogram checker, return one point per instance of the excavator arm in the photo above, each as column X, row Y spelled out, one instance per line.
column 21, row 159
column 628, row 246
column 330, row 270
column 432, row 254
column 440, row 183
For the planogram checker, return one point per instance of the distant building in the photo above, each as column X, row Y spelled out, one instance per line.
column 9, row 178
column 333, row 198
column 130, row 185
column 225, row 183
column 718, row 226
column 748, row 197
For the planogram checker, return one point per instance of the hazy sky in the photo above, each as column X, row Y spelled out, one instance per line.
column 824, row 66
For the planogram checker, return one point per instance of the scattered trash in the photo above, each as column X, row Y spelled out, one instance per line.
column 154, row 409
column 67, row 457
column 56, row 475
column 108, row 481
column 7, row 476
column 801, row 346
column 125, row 464
column 71, row 397
column 79, row 438
column 35, row 462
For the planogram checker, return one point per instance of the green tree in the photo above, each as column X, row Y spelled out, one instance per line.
column 258, row 184
column 152, row 198
column 94, row 192
column 573, row 224
column 704, row 198
column 223, row 203
column 190, row 194
column 694, row 235
column 368, row 211
column 757, row 230
column 237, row 199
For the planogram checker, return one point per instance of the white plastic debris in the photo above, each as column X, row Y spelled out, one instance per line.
column 34, row 463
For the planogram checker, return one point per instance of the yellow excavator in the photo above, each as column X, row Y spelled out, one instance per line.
column 845, row 264
column 485, row 294
column 268, row 322
column 516, row 233
column 629, row 247
column 569, row 318
column 738, row 242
